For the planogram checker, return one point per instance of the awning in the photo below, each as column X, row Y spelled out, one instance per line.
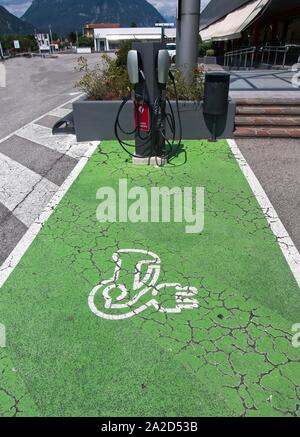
column 231, row 26
column 132, row 37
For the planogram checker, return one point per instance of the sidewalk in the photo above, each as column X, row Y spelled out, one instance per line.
column 263, row 80
column 34, row 164
column 232, row 355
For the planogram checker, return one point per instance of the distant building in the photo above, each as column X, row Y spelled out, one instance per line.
column 89, row 28
column 107, row 39
column 235, row 24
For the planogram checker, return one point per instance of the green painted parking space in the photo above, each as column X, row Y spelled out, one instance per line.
column 206, row 327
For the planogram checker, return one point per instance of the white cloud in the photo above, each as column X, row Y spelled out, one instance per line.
column 168, row 7
column 16, row 7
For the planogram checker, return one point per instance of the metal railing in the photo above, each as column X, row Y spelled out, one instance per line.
column 277, row 55
column 250, row 57
column 242, row 58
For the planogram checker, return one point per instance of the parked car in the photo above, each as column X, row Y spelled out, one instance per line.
column 171, row 47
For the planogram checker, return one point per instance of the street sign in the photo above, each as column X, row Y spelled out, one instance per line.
column 16, row 44
column 164, row 25
column 43, row 41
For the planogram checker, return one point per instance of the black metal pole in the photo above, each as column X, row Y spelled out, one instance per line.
column 188, row 25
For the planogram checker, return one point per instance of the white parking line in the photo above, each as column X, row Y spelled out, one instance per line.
column 60, row 112
column 42, row 116
column 15, row 257
column 26, row 193
column 285, row 242
column 23, row 191
column 64, row 144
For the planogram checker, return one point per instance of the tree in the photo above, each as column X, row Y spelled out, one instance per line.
column 85, row 41
column 122, row 53
column 55, row 36
column 72, row 37
column 27, row 43
column 203, row 46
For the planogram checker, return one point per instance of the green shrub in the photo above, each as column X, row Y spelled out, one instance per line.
column 109, row 80
column 210, row 52
column 27, row 43
column 192, row 91
column 122, row 53
column 85, row 41
column 204, row 47
column 103, row 82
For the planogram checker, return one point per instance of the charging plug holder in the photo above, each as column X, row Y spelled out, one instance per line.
column 163, row 66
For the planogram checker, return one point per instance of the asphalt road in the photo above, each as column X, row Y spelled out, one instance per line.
column 34, row 164
column 35, row 86
column 276, row 164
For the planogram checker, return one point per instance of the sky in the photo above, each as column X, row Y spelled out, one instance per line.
column 166, row 7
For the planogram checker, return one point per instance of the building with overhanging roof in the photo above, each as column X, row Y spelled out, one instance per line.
column 107, row 39
column 235, row 24
column 90, row 27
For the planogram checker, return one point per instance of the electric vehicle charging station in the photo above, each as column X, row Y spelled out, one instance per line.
column 148, row 70
column 148, row 67
column 147, row 116
column 151, row 60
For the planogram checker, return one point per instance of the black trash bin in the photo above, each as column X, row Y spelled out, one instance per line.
column 216, row 96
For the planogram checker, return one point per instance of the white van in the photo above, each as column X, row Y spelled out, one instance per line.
column 171, row 47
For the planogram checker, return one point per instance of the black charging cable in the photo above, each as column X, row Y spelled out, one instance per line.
column 159, row 115
column 118, row 126
column 171, row 75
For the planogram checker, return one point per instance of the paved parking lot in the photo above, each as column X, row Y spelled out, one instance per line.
column 276, row 163
column 140, row 318
column 35, row 86
column 33, row 163
column 217, row 336
column 263, row 80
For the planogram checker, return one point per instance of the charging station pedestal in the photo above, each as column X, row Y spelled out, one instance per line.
column 152, row 91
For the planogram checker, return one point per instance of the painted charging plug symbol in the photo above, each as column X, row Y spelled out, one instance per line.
column 112, row 300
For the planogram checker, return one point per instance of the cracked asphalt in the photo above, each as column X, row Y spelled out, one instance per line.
column 35, row 86
column 33, row 163
column 276, row 163
column 232, row 356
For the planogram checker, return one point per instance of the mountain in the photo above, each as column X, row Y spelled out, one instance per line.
column 9, row 24
column 71, row 15
column 170, row 19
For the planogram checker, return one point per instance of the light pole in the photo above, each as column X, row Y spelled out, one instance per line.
column 163, row 26
column 50, row 33
column 1, row 51
column 188, row 24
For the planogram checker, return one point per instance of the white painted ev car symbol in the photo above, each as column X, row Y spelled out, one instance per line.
column 145, row 288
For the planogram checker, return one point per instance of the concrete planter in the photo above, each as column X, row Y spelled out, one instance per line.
column 95, row 120
column 208, row 60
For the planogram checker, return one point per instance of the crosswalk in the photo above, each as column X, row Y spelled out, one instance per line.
column 34, row 164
